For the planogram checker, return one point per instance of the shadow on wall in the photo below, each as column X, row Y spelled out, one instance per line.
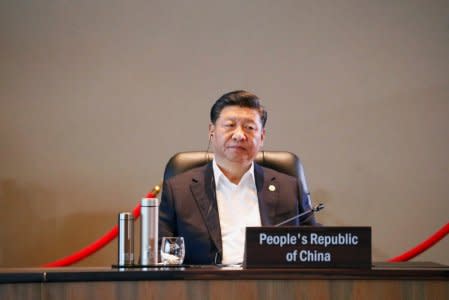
column 328, row 218
column 31, row 235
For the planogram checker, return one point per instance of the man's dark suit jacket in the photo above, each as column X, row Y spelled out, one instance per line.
column 189, row 208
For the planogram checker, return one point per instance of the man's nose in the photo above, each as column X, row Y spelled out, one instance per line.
column 238, row 134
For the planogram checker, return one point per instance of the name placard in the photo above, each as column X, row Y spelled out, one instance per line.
column 308, row 247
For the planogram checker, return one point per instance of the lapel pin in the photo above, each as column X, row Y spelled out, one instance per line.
column 271, row 188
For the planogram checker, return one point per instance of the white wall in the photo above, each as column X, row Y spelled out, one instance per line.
column 95, row 96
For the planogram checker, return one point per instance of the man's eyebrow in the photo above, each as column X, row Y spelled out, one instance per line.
column 232, row 118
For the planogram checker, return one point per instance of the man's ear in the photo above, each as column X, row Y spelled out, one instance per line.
column 262, row 137
column 211, row 130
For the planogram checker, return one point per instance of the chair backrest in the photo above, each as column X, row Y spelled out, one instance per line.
column 284, row 162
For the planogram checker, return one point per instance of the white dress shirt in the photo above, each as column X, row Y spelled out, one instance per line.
column 238, row 207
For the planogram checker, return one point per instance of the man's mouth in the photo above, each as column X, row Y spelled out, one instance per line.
column 237, row 148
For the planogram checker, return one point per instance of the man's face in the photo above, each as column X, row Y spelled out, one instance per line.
column 237, row 135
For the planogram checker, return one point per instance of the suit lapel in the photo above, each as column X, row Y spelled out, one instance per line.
column 203, row 190
column 268, row 195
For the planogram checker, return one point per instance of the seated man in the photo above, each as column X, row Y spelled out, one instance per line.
column 210, row 206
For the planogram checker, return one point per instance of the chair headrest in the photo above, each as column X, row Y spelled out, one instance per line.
column 281, row 161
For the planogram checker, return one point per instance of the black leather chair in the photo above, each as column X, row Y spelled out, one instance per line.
column 285, row 162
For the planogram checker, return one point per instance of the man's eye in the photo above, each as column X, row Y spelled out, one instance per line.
column 229, row 125
column 250, row 127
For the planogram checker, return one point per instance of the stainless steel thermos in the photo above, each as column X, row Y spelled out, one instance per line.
column 125, row 239
column 149, row 231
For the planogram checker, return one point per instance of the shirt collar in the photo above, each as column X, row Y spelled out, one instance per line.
column 218, row 174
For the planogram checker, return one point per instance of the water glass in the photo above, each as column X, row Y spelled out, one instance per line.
column 172, row 250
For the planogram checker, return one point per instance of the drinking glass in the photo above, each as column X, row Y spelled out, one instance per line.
column 172, row 250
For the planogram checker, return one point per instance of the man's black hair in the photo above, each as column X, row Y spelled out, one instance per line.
column 238, row 98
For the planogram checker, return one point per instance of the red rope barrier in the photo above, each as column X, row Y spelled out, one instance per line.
column 98, row 244
column 432, row 240
column 112, row 234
